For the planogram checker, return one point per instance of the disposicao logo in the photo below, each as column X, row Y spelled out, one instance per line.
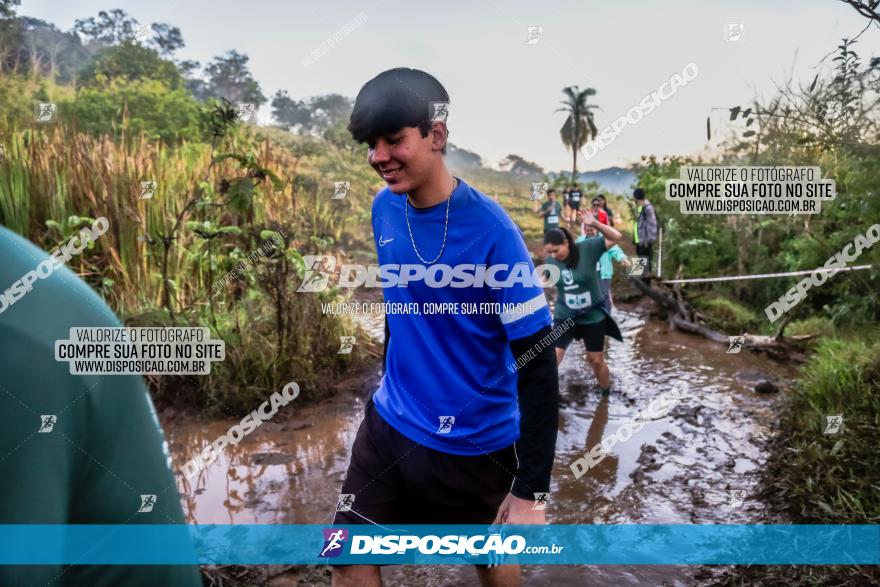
column 334, row 538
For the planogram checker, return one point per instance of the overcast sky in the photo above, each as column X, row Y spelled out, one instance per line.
column 504, row 91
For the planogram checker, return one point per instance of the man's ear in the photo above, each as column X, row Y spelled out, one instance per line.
column 439, row 135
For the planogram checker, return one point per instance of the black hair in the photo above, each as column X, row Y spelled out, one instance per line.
column 595, row 200
column 551, row 191
column 557, row 236
column 639, row 194
column 395, row 99
column 603, row 197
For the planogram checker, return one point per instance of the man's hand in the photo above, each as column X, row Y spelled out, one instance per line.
column 514, row 510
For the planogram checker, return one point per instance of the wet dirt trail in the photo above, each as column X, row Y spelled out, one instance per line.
column 697, row 465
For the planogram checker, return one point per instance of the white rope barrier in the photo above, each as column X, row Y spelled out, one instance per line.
column 660, row 254
column 766, row 275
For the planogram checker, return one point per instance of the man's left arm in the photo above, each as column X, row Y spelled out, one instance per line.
column 526, row 321
column 538, row 395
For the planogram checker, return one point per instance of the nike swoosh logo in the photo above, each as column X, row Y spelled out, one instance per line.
column 383, row 242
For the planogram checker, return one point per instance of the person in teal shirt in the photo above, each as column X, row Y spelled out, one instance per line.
column 74, row 449
column 606, row 268
column 580, row 295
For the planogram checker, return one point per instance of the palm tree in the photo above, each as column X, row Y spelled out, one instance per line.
column 579, row 126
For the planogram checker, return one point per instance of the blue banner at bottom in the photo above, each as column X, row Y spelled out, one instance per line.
column 270, row 544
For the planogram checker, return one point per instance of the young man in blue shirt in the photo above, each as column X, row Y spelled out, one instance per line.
column 454, row 434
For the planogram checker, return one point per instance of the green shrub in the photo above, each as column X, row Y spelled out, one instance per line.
column 831, row 478
column 815, row 325
column 141, row 105
column 731, row 316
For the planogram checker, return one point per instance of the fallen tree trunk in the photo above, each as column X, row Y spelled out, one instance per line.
column 683, row 318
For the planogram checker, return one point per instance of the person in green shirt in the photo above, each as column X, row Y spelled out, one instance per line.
column 580, row 295
column 550, row 211
column 606, row 269
column 74, row 449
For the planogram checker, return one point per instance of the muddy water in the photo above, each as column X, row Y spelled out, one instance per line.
column 696, row 465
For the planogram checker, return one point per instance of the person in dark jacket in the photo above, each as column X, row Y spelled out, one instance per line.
column 644, row 229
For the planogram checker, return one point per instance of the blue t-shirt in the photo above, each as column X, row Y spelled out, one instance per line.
column 455, row 364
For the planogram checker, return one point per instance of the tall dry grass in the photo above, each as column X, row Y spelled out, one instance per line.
column 54, row 174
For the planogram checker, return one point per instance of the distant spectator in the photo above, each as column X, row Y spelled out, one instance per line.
column 598, row 212
column 604, row 204
column 644, row 229
column 574, row 201
column 550, row 210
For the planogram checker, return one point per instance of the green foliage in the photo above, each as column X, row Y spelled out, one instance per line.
column 520, row 166
column 814, row 325
column 832, row 124
column 462, row 159
column 729, row 315
column 228, row 77
column 338, row 136
column 147, row 106
column 709, row 245
column 129, row 62
column 831, row 478
column 14, row 103
column 579, row 126
column 7, row 8
column 324, row 115
column 112, row 27
column 18, row 96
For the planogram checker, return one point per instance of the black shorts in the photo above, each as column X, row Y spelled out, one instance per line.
column 593, row 336
column 574, row 205
column 398, row 481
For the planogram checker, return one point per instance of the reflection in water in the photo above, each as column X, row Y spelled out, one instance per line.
column 278, row 474
column 604, row 473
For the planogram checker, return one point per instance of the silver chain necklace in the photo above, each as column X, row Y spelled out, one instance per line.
column 445, row 225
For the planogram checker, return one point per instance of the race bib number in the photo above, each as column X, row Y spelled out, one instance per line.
column 553, row 219
column 578, row 301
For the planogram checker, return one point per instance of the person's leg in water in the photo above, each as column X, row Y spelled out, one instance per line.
column 600, row 370
column 565, row 339
column 594, row 341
